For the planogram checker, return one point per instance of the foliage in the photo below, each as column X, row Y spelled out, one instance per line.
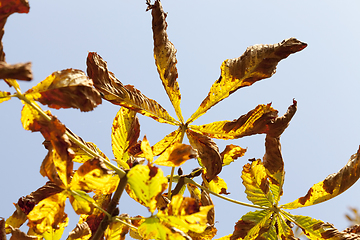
column 95, row 187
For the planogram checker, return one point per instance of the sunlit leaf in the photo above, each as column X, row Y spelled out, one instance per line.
column 128, row 96
column 31, row 119
column 283, row 229
column 68, row 88
column 332, row 186
column 125, row 132
column 17, row 219
column 252, row 225
column 257, row 185
column 217, row 185
column 91, row 175
column 49, row 212
column 166, row 142
column 258, row 62
column 254, row 122
column 231, row 153
column 80, row 232
column 81, row 202
column 165, row 59
column 55, row 233
column 208, row 234
column 208, row 153
column 316, row 229
column 4, row 96
column 146, row 149
column 152, row 228
column 176, row 155
column 185, row 214
column 116, row 230
column 147, row 182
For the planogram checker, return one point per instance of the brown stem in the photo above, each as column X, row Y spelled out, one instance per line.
column 111, row 209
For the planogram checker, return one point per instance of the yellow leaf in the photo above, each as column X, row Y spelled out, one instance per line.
column 258, row 62
column 116, row 230
column 16, row 219
column 13, row 83
column 69, row 88
column 254, row 122
column 332, row 186
column 231, row 153
column 152, row 228
column 56, row 233
column 125, row 132
column 176, row 155
column 90, row 176
column 185, row 214
column 147, row 183
column 48, row 212
column 146, row 149
column 31, row 119
column 217, row 185
column 4, row 96
column 257, row 185
column 128, row 96
column 166, row 142
column 81, row 202
column 165, row 59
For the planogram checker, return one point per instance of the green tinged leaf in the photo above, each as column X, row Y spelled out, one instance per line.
column 128, row 96
column 165, row 59
column 332, row 186
column 258, row 62
column 152, row 228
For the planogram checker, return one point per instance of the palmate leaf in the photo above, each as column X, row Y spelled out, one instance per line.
column 165, row 59
column 258, row 62
column 257, row 185
column 128, row 96
column 332, row 186
column 68, row 88
column 254, row 122
column 146, row 183
column 124, row 133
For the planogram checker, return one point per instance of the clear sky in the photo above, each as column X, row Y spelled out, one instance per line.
column 324, row 78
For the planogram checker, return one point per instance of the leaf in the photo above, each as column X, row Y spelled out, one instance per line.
column 147, row 183
column 217, row 185
column 68, row 88
column 17, row 234
column 165, row 56
column 90, row 176
column 176, row 155
column 152, row 228
column 146, row 149
column 208, row 153
column 185, row 214
column 283, row 229
column 166, row 142
column 128, row 96
column 231, row 153
column 254, row 122
column 332, row 186
column 258, row 62
column 125, row 132
column 16, row 219
column 20, row 71
column 81, row 202
column 81, row 232
column 31, row 119
column 55, row 233
column 252, row 225
column 257, row 185
column 49, row 212
column 116, row 230
column 4, row 96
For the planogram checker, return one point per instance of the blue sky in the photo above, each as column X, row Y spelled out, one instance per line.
column 323, row 78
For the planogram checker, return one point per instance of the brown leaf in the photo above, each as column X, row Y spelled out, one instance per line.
column 17, row 234
column 165, row 56
column 2, row 229
column 79, row 231
column 19, row 71
column 208, row 152
column 68, row 88
column 128, row 96
column 206, row 201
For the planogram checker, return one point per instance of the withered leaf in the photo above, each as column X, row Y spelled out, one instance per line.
column 208, row 153
column 231, row 153
column 2, row 229
column 19, row 71
column 258, row 62
column 176, row 155
column 254, row 122
column 81, row 231
column 69, row 88
column 165, row 58
column 332, row 186
column 128, row 96
column 17, row 234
